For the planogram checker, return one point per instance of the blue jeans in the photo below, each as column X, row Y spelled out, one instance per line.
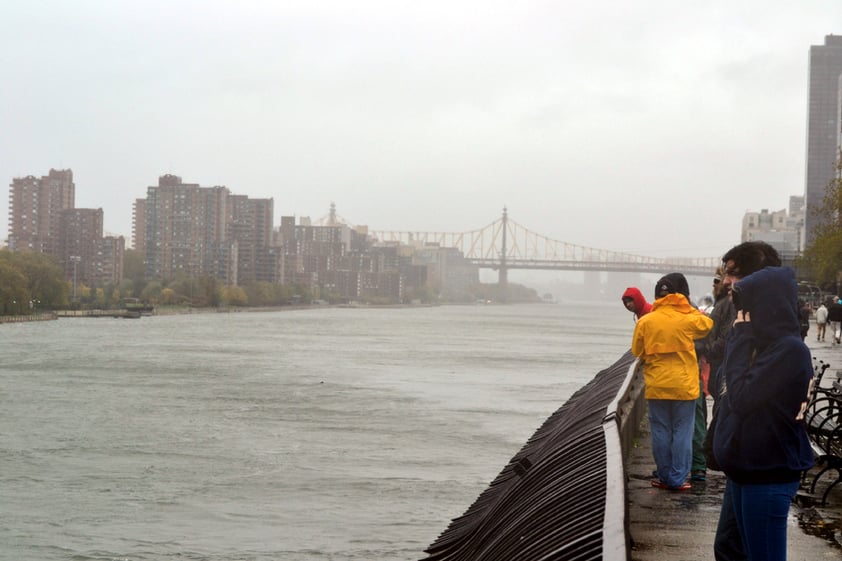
column 761, row 512
column 728, row 545
column 671, row 422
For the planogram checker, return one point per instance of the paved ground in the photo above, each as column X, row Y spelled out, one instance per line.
column 674, row 526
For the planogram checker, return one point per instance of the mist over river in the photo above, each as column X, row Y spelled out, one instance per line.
column 316, row 434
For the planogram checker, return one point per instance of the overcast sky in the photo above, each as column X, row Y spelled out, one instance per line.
column 649, row 127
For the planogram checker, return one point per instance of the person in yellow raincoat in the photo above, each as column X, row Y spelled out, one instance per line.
column 664, row 339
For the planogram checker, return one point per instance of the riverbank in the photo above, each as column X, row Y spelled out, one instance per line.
column 46, row 316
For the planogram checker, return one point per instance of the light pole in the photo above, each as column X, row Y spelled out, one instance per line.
column 75, row 259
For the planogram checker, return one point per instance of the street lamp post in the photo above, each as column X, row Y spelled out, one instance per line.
column 75, row 259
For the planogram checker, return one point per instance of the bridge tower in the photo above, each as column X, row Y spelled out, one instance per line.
column 503, row 272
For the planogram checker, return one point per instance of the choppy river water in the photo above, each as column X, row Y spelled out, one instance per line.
column 318, row 434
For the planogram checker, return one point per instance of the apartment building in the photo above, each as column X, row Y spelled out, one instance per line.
column 43, row 218
column 107, row 260
column 782, row 229
column 139, row 226
column 193, row 231
column 35, row 206
column 250, row 229
column 79, row 230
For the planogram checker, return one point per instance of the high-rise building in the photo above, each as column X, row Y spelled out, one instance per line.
column 184, row 229
column 823, row 125
column 35, row 206
column 79, row 231
column 250, row 227
column 139, row 226
column 192, row 231
column 107, row 264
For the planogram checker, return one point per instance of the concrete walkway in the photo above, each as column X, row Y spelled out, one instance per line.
column 680, row 526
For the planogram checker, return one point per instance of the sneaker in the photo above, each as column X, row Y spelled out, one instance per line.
column 698, row 475
column 661, row 485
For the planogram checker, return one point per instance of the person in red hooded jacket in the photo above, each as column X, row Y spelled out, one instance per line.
column 634, row 302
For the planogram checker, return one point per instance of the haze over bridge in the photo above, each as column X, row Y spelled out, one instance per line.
column 504, row 245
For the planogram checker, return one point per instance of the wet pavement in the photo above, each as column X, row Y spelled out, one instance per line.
column 680, row 526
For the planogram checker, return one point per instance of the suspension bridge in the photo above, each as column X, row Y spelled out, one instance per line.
column 504, row 245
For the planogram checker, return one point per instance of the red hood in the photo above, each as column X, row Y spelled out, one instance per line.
column 641, row 306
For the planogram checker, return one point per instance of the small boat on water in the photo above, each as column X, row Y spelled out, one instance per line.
column 135, row 305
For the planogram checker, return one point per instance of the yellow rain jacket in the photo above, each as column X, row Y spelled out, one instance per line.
column 664, row 339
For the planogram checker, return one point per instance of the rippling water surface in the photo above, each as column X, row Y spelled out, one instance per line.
column 304, row 435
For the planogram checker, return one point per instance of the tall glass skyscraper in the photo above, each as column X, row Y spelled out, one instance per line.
column 823, row 124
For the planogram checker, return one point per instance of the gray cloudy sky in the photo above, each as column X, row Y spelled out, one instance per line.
column 647, row 127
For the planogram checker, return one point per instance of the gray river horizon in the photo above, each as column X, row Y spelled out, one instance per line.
column 315, row 434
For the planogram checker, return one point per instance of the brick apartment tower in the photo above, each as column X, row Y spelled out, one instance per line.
column 823, row 125
column 139, row 226
column 79, row 227
column 184, row 231
column 35, row 207
column 250, row 228
column 191, row 231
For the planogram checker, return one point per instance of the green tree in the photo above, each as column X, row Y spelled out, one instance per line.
column 823, row 258
column 43, row 284
column 211, row 291
column 168, row 297
column 133, row 267
column 13, row 291
column 151, row 292
column 234, row 296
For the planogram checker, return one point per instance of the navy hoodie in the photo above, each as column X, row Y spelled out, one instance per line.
column 760, row 434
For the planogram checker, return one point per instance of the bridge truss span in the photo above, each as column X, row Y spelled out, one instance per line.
column 505, row 244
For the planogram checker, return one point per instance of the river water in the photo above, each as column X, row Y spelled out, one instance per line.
column 317, row 434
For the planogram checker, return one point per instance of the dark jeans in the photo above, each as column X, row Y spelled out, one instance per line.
column 699, row 432
column 728, row 544
column 761, row 512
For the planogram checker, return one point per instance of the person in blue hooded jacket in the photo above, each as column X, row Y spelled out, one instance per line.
column 761, row 440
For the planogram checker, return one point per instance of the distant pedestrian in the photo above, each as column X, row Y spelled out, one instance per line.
column 706, row 304
column 803, row 318
column 761, row 440
column 665, row 341
column 635, row 302
column 821, row 322
column 834, row 316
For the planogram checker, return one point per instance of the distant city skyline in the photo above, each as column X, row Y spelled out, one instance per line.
column 597, row 124
column 330, row 214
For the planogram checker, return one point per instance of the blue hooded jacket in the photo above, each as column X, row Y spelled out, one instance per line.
column 760, row 434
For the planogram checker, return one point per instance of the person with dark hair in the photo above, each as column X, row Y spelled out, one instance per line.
column 747, row 258
column 740, row 261
column 635, row 302
column 761, row 439
column 723, row 315
column 664, row 340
